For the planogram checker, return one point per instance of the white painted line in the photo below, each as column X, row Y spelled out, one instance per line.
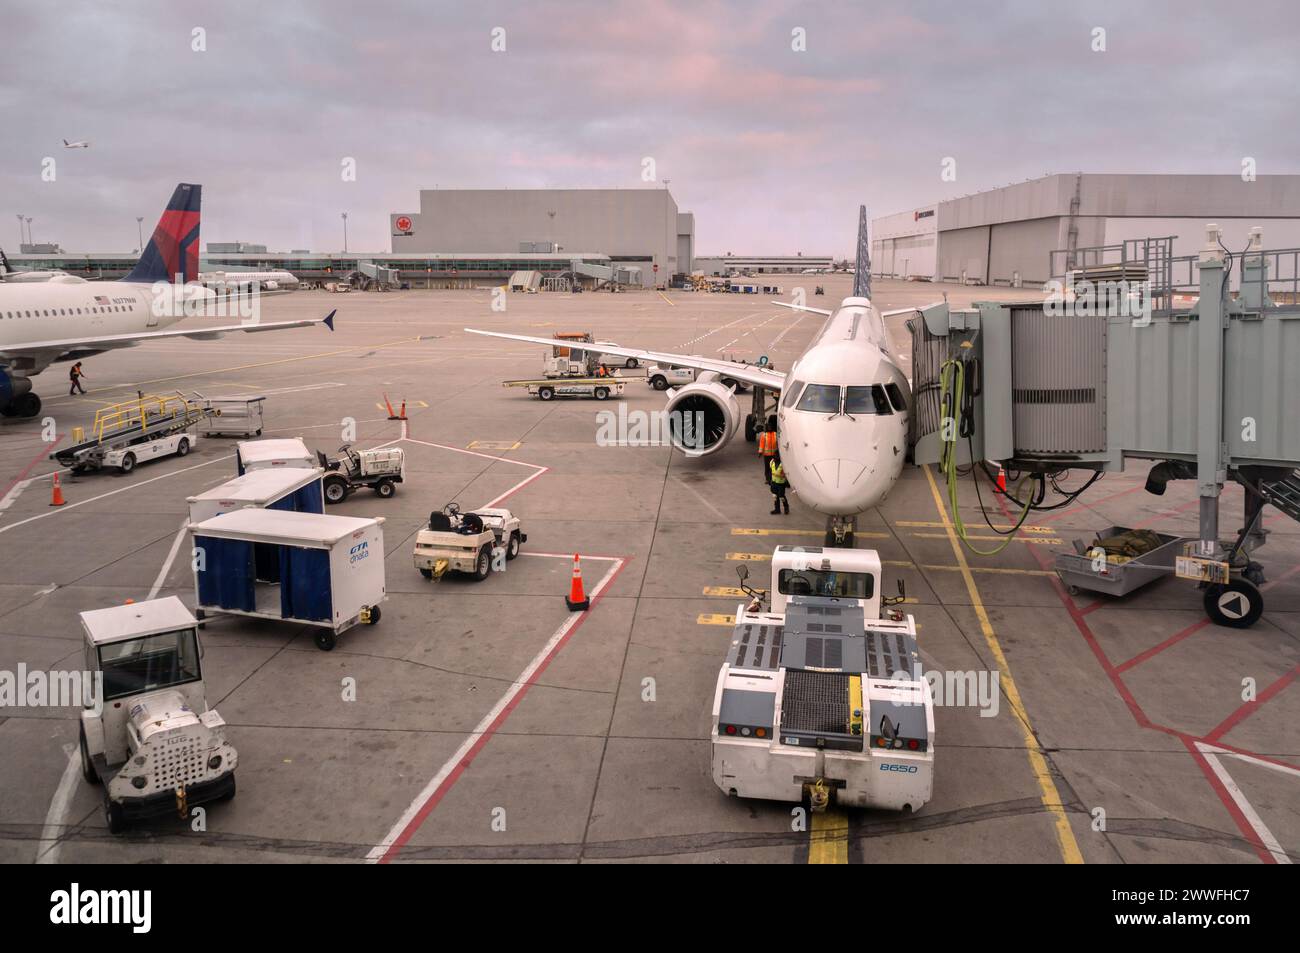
column 1249, row 759
column 1253, row 819
column 699, row 496
column 538, row 468
column 133, row 486
column 47, row 851
column 171, row 558
column 410, row 815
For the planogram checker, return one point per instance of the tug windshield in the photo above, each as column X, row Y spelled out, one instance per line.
column 149, row 663
column 817, row 582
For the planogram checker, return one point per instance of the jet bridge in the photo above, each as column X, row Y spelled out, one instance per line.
column 1103, row 373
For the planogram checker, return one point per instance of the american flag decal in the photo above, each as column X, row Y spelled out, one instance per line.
column 100, row 299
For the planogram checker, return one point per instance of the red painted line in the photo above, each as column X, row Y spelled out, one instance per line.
column 1074, row 509
column 1091, row 607
column 518, row 486
column 1157, row 649
column 1113, row 673
column 28, row 469
column 441, row 791
column 1248, row 709
column 1243, row 825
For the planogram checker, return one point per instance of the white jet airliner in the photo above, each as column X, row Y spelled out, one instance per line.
column 842, row 417
column 67, row 317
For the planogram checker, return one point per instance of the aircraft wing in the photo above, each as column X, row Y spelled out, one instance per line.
column 107, row 341
column 749, row 373
column 800, row 307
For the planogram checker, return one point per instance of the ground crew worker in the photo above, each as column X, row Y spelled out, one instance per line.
column 75, row 375
column 778, row 485
column 767, row 446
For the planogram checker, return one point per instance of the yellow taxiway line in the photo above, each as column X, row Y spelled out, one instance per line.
column 828, row 837
column 1049, row 795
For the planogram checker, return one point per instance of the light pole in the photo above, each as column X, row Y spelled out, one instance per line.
column 345, row 233
column 29, row 230
column 139, row 231
column 20, row 231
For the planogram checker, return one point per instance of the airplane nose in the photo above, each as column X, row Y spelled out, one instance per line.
column 838, row 473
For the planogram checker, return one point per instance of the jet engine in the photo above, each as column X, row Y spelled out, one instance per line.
column 703, row 416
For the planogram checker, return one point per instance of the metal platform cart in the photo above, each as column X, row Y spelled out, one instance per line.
column 1094, row 568
column 232, row 416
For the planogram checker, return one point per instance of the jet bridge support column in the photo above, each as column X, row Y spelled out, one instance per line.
column 1211, row 449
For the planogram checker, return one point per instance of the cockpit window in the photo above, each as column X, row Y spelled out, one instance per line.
column 821, row 399
column 896, row 397
column 867, row 399
column 792, row 393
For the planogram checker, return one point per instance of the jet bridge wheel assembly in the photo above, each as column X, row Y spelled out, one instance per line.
column 1237, row 604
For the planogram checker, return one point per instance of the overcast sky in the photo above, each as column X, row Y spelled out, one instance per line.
column 772, row 148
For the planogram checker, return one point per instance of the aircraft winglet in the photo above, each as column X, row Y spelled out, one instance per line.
column 329, row 319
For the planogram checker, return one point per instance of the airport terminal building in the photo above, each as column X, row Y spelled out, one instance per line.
column 640, row 231
column 1007, row 236
column 473, row 237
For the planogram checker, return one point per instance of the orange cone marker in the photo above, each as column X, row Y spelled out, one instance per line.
column 577, row 600
column 56, row 498
column 1002, row 480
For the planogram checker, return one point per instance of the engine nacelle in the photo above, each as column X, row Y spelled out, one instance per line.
column 703, row 416
column 12, row 388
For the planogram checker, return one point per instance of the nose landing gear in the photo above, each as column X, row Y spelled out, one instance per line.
column 839, row 532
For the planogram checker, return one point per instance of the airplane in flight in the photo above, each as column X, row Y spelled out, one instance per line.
column 68, row 318
column 79, row 144
column 842, row 413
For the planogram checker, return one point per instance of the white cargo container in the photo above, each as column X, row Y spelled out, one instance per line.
column 274, row 452
column 323, row 571
column 289, row 488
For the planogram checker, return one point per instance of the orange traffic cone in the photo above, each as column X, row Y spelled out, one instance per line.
column 401, row 414
column 57, row 498
column 576, row 600
column 392, row 415
column 1002, row 480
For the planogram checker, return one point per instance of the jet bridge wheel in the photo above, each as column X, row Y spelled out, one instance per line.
column 1236, row 605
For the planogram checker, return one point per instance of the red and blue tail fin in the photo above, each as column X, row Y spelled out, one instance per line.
column 173, row 248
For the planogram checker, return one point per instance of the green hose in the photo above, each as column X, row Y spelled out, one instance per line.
column 952, row 380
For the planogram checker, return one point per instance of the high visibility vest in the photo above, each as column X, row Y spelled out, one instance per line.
column 778, row 472
column 767, row 443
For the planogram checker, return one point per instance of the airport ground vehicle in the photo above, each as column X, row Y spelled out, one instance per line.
column 381, row 470
column 135, row 431
column 320, row 570
column 823, row 696
column 464, row 542
column 599, row 388
column 663, row 376
column 273, row 452
column 150, row 737
column 286, row 488
column 616, row 360
column 232, row 416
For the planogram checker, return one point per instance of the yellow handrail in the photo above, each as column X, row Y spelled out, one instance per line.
column 145, row 410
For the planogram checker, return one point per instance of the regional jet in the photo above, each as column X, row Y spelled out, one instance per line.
column 67, row 317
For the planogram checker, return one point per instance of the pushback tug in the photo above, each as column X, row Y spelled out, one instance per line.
column 822, row 696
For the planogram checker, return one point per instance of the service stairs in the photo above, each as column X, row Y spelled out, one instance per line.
column 1283, row 493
